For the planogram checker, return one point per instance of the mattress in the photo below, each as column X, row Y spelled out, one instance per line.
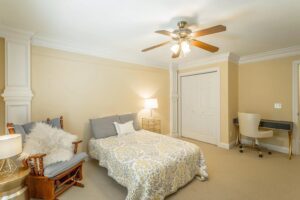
column 150, row 165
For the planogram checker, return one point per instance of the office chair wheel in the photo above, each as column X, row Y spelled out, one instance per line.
column 241, row 146
column 270, row 153
column 241, row 151
column 260, row 155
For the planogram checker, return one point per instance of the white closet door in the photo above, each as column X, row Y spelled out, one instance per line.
column 199, row 107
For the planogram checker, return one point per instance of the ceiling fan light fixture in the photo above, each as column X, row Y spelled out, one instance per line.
column 183, row 37
column 175, row 48
column 185, row 46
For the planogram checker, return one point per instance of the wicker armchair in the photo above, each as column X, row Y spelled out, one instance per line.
column 48, row 183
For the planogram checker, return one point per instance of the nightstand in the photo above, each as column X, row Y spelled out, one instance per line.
column 151, row 124
column 13, row 187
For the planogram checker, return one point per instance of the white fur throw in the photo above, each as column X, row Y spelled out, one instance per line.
column 56, row 143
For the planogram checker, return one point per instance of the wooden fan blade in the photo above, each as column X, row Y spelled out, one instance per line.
column 208, row 31
column 176, row 55
column 164, row 32
column 204, row 45
column 155, row 46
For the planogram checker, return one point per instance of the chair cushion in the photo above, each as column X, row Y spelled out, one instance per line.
column 104, row 127
column 55, row 123
column 131, row 117
column 57, row 168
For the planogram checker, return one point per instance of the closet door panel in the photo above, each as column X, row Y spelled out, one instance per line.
column 199, row 106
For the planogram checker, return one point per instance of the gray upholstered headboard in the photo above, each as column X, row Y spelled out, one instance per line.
column 104, row 127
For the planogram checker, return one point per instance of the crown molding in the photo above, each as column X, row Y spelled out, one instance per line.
column 230, row 57
column 15, row 34
column 269, row 55
column 234, row 58
column 25, row 36
column 55, row 44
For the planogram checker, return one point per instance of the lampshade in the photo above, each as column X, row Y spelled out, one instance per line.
column 175, row 48
column 151, row 103
column 185, row 47
column 10, row 145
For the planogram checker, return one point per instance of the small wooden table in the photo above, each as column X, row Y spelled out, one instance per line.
column 13, row 187
column 275, row 125
column 151, row 124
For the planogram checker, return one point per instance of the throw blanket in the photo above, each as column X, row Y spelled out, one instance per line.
column 56, row 143
column 150, row 165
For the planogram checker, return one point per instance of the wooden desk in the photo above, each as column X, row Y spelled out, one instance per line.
column 275, row 125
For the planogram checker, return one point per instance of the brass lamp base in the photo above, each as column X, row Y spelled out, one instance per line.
column 7, row 167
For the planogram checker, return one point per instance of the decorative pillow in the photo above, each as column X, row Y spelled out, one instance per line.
column 55, row 143
column 129, row 117
column 104, row 127
column 124, row 128
column 55, row 123
column 29, row 126
column 20, row 130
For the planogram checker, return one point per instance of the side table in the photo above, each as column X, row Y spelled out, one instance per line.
column 13, row 187
column 151, row 124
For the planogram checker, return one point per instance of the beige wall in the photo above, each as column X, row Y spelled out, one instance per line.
column 83, row 87
column 228, row 96
column 2, row 85
column 261, row 84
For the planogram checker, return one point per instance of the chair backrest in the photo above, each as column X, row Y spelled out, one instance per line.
column 249, row 123
column 56, row 122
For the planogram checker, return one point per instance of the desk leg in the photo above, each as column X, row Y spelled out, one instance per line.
column 238, row 138
column 290, row 146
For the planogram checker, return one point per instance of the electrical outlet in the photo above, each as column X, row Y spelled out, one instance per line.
column 277, row 105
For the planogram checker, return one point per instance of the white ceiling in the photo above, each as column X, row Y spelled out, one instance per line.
column 119, row 29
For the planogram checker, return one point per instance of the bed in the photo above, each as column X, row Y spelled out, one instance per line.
column 150, row 165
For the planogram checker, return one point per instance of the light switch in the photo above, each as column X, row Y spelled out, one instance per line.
column 277, row 105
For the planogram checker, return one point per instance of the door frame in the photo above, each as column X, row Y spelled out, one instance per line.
column 295, row 105
column 197, row 72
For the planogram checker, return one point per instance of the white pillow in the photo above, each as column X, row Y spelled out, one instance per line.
column 124, row 128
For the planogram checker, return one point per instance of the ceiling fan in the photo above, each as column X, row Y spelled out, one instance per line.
column 184, row 37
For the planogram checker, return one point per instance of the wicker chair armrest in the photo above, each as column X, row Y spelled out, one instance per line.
column 39, row 155
column 76, row 143
column 36, row 164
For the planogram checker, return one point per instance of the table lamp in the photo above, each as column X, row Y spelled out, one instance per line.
column 151, row 104
column 10, row 145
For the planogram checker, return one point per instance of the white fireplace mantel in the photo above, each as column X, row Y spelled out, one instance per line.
column 17, row 93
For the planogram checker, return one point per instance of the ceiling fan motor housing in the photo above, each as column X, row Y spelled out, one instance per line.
column 182, row 32
column 182, row 24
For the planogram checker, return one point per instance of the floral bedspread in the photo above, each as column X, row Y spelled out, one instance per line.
column 151, row 166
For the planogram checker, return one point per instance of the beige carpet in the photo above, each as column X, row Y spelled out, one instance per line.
column 232, row 176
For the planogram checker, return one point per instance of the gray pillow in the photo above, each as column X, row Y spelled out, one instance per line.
column 27, row 127
column 19, row 129
column 131, row 117
column 104, row 127
column 55, row 123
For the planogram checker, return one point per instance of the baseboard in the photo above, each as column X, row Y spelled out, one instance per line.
column 226, row 146
column 269, row 146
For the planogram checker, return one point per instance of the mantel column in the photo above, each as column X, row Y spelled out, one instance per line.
column 17, row 94
column 173, row 99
